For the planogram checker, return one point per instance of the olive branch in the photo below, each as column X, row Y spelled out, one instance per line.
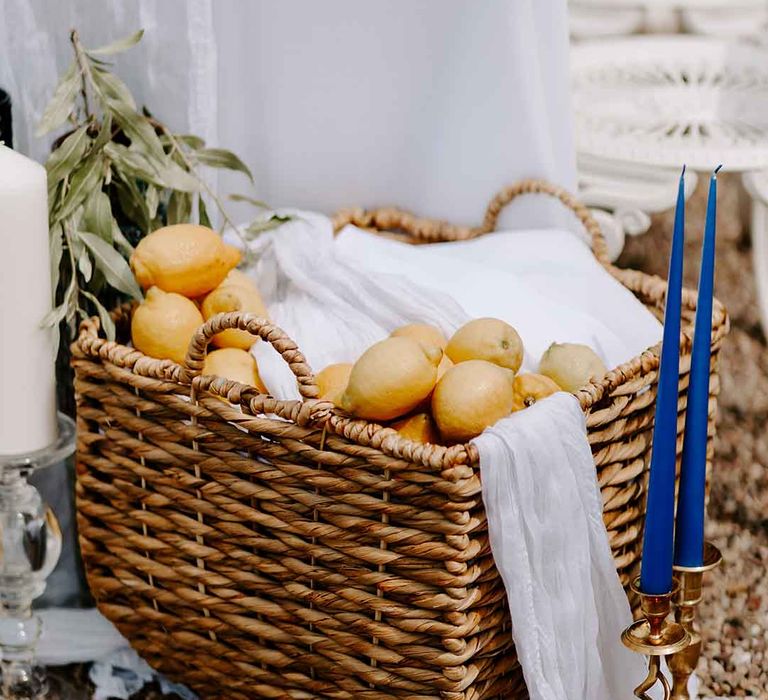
column 115, row 175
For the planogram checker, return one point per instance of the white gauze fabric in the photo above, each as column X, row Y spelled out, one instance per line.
column 330, row 305
column 551, row 548
column 336, row 297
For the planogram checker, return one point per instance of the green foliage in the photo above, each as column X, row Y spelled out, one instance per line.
column 115, row 176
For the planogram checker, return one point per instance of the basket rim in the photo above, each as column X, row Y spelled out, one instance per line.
column 324, row 415
column 310, row 411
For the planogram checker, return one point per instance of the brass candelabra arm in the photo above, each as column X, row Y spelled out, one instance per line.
column 686, row 600
column 655, row 636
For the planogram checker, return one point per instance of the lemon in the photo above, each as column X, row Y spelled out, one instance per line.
column 444, row 366
column 163, row 324
column 424, row 333
column 183, row 258
column 235, row 293
column 239, row 278
column 390, row 379
column 471, row 396
column 419, row 427
column 530, row 388
column 332, row 381
column 234, row 364
column 571, row 365
column 489, row 339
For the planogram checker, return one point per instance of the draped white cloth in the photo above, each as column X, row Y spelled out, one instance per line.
column 432, row 105
column 551, row 548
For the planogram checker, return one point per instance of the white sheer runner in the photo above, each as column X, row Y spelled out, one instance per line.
column 551, row 548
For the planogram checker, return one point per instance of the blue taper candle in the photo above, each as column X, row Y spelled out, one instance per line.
column 689, row 530
column 656, row 569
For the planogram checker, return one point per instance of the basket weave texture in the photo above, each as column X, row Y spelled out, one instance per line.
column 257, row 548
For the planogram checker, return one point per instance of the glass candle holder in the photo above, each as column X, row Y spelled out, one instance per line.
column 30, row 545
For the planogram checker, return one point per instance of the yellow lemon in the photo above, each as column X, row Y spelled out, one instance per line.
column 332, row 381
column 530, row 388
column 163, row 324
column 234, row 297
column 471, row 396
column 444, row 366
column 234, row 364
column 240, row 279
column 419, row 427
column 424, row 333
column 489, row 339
column 571, row 365
column 183, row 258
column 390, row 379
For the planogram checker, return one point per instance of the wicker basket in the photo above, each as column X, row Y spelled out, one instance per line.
column 278, row 549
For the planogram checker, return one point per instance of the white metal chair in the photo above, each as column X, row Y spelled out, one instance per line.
column 648, row 104
column 733, row 18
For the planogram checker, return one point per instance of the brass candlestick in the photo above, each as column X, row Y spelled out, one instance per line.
column 687, row 598
column 655, row 636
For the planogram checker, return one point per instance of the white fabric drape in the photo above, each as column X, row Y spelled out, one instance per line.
column 432, row 105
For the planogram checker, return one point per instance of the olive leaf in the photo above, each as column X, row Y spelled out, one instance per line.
column 264, row 225
column 131, row 162
column 153, row 200
column 249, row 200
column 105, row 133
column 221, row 158
column 84, row 264
column 194, row 142
column 177, row 179
column 66, row 157
column 107, row 324
column 57, row 314
column 110, row 87
column 179, row 207
column 97, row 216
column 202, row 212
column 57, row 249
column 62, row 103
column 130, row 199
column 118, row 46
column 163, row 173
column 112, row 264
column 120, row 240
column 84, row 180
column 137, row 128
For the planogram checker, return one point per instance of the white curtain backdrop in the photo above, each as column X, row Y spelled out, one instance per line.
column 428, row 104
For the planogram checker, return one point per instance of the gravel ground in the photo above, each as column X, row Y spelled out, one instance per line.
column 735, row 610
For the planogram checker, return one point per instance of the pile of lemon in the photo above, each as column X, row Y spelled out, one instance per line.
column 428, row 387
column 441, row 390
column 189, row 274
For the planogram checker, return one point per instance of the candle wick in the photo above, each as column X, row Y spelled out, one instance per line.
column 717, row 170
column 682, row 174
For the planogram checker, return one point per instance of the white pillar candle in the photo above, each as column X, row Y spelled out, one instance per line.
column 27, row 353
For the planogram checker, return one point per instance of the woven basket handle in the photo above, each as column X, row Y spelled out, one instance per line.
column 275, row 336
column 430, row 230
